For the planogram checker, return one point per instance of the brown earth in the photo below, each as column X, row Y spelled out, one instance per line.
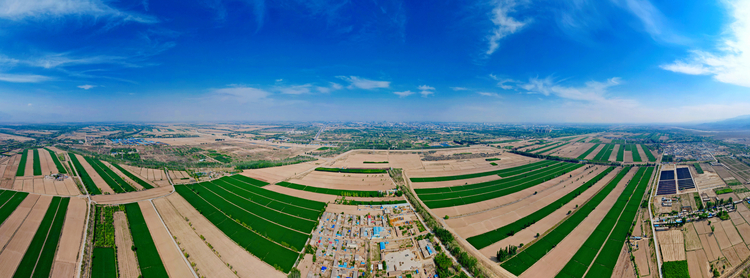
column 207, row 262
column 241, row 261
column 123, row 176
column 595, row 152
column 131, row 197
column 19, row 240
column 67, row 257
column 72, row 187
column 731, row 256
column 672, row 245
column 694, row 267
column 692, row 241
column 365, row 182
column 302, row 194
column 10, row 172
column 43, row 157
column 277, row 174
column 137, row 172
column 623, row 267
column 126, row 262
column 11, row 224
column 555, row 260
column 100, row 183
column 437, row 184
column 642, row 153
column 613, row 155
column 721, row 235
column 469, row 166
column 731, row 232
column 29, row 172
column 170, row 255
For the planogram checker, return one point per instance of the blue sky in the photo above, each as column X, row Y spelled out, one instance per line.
column 577, row 61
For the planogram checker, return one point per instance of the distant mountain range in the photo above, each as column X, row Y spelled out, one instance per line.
column 739, row 122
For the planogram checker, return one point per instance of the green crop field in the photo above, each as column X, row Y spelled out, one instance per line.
column 502, row 173
column 636, row 154
column 133, row 177
column 9, row 201
column 337, row 192
column 617, row 222
column 542, row 147
column 148, row 257
column 698, row 168
column 595, row 140
column 488, row 238
column 352, row 171
column 621, row 152
column 589, row 151
column 22, row 164
column 373, row 203
column 87, row 181
column 604, row 153
column 552, row 148
column 37, row 164
column 38, row 259
column 492, row 159
column 60, row 168
column 469, row 194
column 103, row 263
column 534, row 252
column 650, row 155
column 245, row 217
column 676, row 269
column 113, row 180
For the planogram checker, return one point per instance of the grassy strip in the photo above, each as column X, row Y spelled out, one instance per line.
column 337, row 192
column 582, row 139
column 604, row 153
column 542, row 147
column 676, row 269
column 87, row 181
column 552, row 148
column 133, row 177
column 9, row 201
column 492, row 159
column 375, row 162
column 21, row 171
column 37, row 164
column 584, row 257
column 621, row 153
column 437, row 193
column 372, row 203
column 636, row 154
column 268, row 251
column 352, row 171
column 605, row 262
column 723, row 191
column 479, row 195
column 113, row 180
column 590, row 150
column 503, row 141
column 488, row 238
column 103, row 263
column 39, row 256
column 502, row 173
column 60, row 168
column 148, row 257
column 595, row 140
column 698, row 168
column 534, row 252
column 242, row 182
column 650, row 155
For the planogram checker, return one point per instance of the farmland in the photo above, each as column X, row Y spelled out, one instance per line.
column 149, row 261
column 87, row 181
column 143, row 183
column 473, row 193
column 590, row 150
column 37, row 163
column 38, row 259
column 22, row 165
column 337, row 192
column 534, row 252
column 649, row 154
column 252, row 217
column 9, row 201
column 58, row 165
column 113, row 180
column 605, row 153
column 351, row 171
column 502, row 173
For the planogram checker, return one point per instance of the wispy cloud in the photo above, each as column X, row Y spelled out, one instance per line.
column 426, row 91
column 593, row 91
column 23, row 78
column 654, row 22
column 404, row 93
column 363, row 83
column 86, row 87
column 502, row 83
column 241, row 94
column 459, row 88
column 43, row 9
column 504, row 24
column 333, row 87
column 294, row 90
column 488, row 94
column 731, row 63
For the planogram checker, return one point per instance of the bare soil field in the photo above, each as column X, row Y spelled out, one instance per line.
column 596, row 151
column 100, row 183
column 469, row 166
column 170, row 255
column 10, row 172
column 573, row 149
column 29, row 172
column 627, row 157
column 642, row 153
column 206, row 261
column 731, row 232
column 44, row 159
column 707, row 180
column 555, row 260
column 692, row 241
column 724, row 173
column 613, row 155
column 563, row 180
column 68, row 252
column 18, row 240
column 731, row 256
column 16, row 218
column 623, row 267
column 277, row 174
column 672, row 244
column 131, row 197
column 357, row 160
column 5, row 136
column 180, row 177
column 405, row 160
column 72, row 187
column 710, row 246
column 146, row 174
column 126, row 262
column 241, row 261
column 303, row 194
column 485, row 221
column 123, row 176
column 696, row 266
column 365, row 182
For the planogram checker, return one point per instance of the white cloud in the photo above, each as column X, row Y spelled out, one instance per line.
column 241, row 94
column 279, row 80
column 362, row 83
column 426, row 88
column 86, row 87
column 29, row 104
column 426, row 91
column 654, row 22
column 336, row 86
column 504, row 24
column 502, row 84
column 36, row 9
column 23, row 78
column 731, row 64
column 64, row 60
column 593, row 91
column 295, row 90
column 488, row 94
column 459, row 89
column 333, row 87
column 404, row 93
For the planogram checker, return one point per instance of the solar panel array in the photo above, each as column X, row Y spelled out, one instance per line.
column 667, row 184
column 683, row 173
column 684, row 179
